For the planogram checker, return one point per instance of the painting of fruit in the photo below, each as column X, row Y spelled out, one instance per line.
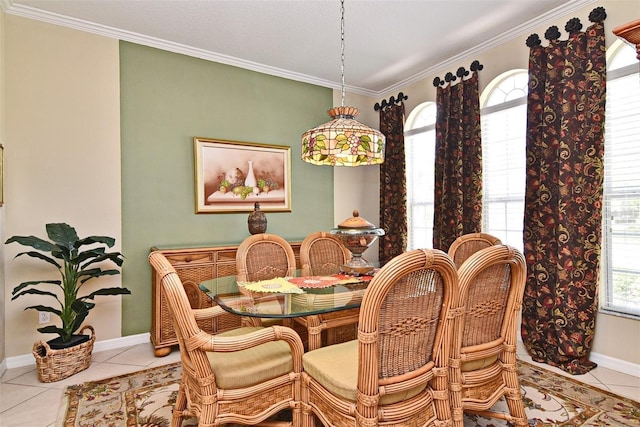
column 232, row 176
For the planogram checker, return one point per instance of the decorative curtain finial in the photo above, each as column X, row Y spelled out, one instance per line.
column 476, row 66
column 533, row 40
column 449, row 77
column 461, row 72
column 552, row 33
column 598, row 14
column 392, row 100
column 573, row 26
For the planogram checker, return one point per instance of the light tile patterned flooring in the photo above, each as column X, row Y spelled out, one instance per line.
column 26, row 402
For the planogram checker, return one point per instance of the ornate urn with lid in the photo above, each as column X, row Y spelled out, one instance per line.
column 357, row 234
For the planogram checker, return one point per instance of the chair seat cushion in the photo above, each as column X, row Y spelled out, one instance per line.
column 335, row 367
column 245, row 368
column 474, row 365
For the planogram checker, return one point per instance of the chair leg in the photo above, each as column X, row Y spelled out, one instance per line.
column 308, row 419
column 314, row 331
column 513, row 394
column 296, row 415
column 179, row 407
column 455, row 393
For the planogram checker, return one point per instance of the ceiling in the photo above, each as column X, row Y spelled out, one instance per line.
column 388, row 43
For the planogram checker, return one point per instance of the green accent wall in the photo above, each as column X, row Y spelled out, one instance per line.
column 167, row 99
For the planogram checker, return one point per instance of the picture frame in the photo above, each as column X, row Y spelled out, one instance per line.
column 230, row 176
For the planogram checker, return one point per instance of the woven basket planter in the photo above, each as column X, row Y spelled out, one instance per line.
column 55, row 365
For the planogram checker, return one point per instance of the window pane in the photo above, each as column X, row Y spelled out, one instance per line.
column 504, row 162
column 621, row 228
column 419, row 153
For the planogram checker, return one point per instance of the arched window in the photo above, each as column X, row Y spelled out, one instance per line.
column 420, row 140
column 504, row 123
column 621, row 217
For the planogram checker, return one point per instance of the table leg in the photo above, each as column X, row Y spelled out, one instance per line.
column 314, row 329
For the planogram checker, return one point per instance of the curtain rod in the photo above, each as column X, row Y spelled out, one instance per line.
column 392, row 100
column 573, row 26
column 461, row 72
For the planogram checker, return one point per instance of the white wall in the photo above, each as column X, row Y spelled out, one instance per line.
column 358, row 188
column 62, row 157
column 2, row 141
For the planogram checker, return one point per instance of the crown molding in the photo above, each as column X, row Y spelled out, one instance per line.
column 115, row 33
column 514, row 33
column 28, row 12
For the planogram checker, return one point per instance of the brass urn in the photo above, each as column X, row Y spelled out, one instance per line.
column 357, row 234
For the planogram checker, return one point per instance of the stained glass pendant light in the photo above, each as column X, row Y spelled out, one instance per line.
column 343, row 141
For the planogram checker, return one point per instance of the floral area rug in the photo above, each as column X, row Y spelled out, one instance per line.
column 145, row 398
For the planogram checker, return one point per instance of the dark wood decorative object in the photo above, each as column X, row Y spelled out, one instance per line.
column 257, row 220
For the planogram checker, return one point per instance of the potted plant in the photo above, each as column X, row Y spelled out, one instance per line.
column 77, row 261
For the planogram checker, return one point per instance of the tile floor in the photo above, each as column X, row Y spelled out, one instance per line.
column 26, row 402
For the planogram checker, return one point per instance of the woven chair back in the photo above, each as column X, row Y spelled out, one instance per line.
column 322, row 254
column 264, row 256
column 491, row 287
column 403, row 324
column 465, row 246
column 483, row 365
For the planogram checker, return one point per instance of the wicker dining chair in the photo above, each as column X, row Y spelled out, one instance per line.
column 263, row 257
column 247, row 375
column 395, row 373
column 465, row 246
column 322, row 254
column 483, row 358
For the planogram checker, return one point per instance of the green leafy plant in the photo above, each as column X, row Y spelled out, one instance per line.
column 76, row 267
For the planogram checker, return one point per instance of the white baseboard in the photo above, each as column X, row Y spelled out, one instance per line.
column 616, row 364
column 115, row 343
column 127, row 341
column 110, row 344
column 608, row 362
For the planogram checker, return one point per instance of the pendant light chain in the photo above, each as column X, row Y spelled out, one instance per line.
column 342, row 47
column 343, row 141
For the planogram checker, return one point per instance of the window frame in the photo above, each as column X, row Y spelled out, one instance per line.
column 607, row 283
column 501, row 83
column 409, row 133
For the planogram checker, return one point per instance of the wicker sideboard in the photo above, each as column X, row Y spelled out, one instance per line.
column 194, row 265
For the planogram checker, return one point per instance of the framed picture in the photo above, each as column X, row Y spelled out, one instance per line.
column 231, row 176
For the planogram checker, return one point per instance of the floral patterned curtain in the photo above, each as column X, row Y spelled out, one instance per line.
column 393, row 184
column 563, row 201
column 458, row 168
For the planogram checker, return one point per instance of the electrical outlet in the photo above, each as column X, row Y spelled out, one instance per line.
column 44, row 317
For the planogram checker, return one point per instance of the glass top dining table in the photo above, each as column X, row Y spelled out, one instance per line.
column 287, row 297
